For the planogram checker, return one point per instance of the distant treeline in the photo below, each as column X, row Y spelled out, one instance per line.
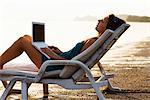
column 131, row 18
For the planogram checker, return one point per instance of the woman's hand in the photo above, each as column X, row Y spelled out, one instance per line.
column 45, row 50
column 52, row 54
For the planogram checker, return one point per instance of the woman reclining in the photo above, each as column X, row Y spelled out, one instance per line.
column 23, row 44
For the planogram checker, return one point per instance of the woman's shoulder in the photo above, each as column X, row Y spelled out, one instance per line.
column 91, row 39
column 95, row 38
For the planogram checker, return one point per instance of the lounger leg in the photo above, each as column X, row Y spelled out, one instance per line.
column 96, row 87
column 24, row 91
column 110, row 87
column 7, row 90
column 4, row 83
column 13, row 90
column 28, row 85
column 98, row 92
column 45, row 90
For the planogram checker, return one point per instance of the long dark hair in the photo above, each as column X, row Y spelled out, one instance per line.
column 114, row 22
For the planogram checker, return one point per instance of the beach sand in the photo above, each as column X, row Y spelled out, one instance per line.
column 131, row 65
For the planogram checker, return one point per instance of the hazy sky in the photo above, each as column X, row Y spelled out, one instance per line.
column 16, row 15
column 69, row 9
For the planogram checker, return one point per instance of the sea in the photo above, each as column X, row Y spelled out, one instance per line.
column 65, row 34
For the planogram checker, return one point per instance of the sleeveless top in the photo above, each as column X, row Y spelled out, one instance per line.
column 68, row 55
column 73, row 52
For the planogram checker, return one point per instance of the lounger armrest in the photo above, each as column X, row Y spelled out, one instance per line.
column 64, row 62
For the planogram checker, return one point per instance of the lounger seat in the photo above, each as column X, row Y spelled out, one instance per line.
column 29, row 74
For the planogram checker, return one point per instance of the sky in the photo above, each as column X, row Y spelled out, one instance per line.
column 14, row 11
column 69, row 9
column 16, row 15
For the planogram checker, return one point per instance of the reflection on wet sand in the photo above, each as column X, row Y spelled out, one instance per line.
column 129, row 55
column 131, row 63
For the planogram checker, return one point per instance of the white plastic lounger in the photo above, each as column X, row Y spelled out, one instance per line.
column 72, row 76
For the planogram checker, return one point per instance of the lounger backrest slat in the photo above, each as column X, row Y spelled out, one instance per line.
column 94, row 53
column 102, row 50
column 85, row 55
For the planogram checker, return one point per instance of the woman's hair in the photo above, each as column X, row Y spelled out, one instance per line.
column 114, row 22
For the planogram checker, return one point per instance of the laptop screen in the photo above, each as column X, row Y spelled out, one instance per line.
column 38, row 32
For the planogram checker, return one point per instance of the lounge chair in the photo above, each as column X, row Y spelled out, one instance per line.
column 72, row 76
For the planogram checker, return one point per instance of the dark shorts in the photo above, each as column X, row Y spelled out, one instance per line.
column 51, row 68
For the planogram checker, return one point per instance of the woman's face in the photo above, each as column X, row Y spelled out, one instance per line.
column 101, row 26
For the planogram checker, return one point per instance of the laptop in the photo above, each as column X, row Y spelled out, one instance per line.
column 38, row 37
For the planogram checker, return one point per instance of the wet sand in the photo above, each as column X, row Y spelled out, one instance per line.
column 132, row 68
column 131, row 65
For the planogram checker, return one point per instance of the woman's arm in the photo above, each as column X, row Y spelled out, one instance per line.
column 52, row 54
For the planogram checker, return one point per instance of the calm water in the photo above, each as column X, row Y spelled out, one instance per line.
column 66, row 34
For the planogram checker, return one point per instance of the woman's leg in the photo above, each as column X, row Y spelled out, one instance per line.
column 22, row 44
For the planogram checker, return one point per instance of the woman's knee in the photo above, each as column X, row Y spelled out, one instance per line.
column 24, row 42
column 28, row 37
column 24, row 39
